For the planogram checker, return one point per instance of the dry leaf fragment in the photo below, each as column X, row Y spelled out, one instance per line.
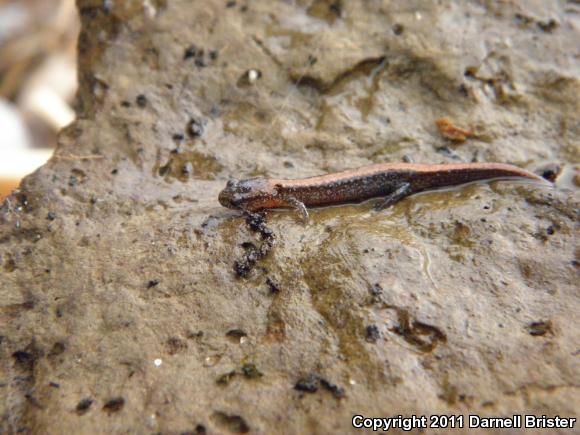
column 452, row 132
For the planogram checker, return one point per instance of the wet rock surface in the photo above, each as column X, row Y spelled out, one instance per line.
column 121, row 309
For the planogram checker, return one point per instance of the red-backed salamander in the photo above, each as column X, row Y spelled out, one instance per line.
column 389, row 181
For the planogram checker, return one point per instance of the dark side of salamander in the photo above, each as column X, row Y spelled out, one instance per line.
column 391, row 182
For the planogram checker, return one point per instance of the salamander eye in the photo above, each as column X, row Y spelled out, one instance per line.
column 232, row 183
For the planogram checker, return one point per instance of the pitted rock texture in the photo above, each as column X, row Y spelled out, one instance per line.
column 121, row 310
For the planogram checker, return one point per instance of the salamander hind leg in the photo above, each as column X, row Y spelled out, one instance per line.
column 401, row 191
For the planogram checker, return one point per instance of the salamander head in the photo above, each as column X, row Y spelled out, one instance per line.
column 250, row 194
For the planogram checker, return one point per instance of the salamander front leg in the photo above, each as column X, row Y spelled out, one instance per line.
column 402, row 190
column 299, row 207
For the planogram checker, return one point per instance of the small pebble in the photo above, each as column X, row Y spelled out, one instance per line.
column 142, row 101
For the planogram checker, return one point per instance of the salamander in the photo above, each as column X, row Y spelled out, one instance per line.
column 389, row 181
